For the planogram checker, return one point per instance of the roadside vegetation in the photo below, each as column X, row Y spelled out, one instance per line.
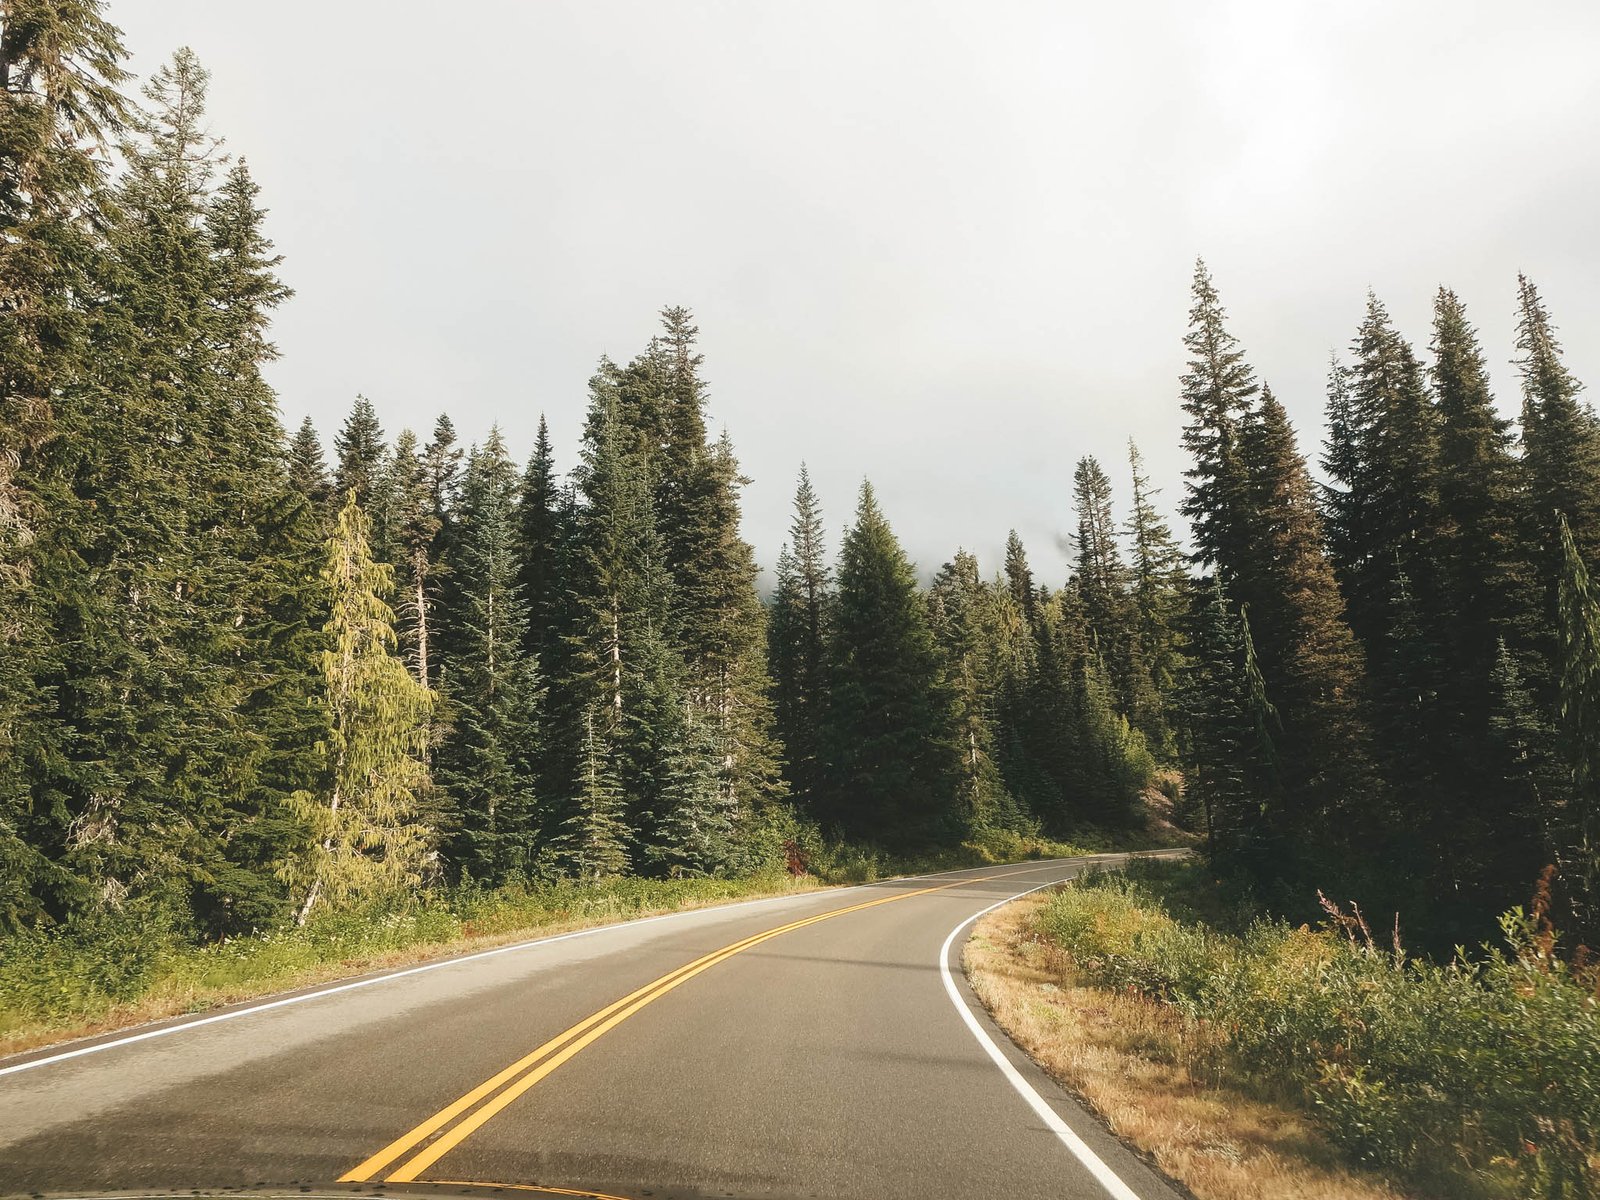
column 1478, row 1076
column 141, row 962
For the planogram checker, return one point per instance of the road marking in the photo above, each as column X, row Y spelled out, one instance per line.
column 373, row 981
column 301, row 998
column 525, row 1187
column 1096, row 1166
column 506, row 1085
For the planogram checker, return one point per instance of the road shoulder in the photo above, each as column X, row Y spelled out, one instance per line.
column 1119, row 1055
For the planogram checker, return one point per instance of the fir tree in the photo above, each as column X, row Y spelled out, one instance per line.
column 414, row 525
column 962, row 616
column 366, row 839
column 1218, row 390
column 308, row 469
column 891, row 762
column 1560, row 455
column 1305, row 651
column 798, row 642
column 487, row 765
column 1224, row 773
column 59, row 107
column 1102, row 581
column 359, row 453
column 1159, row 578
column 539, row 520
column 593, row 841
column 1490, row 828
column 1578, row 824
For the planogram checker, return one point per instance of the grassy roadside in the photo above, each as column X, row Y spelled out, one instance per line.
column 126, row 968
column 1253, row 1058
column 1126, row 1057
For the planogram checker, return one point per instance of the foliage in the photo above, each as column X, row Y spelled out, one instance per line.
column 1482, row 1073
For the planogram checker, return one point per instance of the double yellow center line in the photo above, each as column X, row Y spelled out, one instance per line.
column 458, row 1120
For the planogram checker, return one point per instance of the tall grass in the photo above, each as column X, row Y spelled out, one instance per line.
column 1479, row 1076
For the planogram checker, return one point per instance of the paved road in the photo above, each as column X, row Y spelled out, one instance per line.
column 805, row 1046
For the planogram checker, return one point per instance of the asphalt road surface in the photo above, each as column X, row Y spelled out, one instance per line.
column 816, row 1045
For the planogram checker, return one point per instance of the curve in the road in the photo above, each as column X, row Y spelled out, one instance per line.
column 513, row 1081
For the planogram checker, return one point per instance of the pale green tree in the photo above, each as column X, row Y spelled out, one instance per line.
column 367, row 838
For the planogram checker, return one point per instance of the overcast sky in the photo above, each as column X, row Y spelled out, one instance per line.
column 945, row 246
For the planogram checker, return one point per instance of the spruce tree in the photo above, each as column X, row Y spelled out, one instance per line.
column 308, row 469
column 150, row 678
column 622, row 672
column 1490, row 828
column 798, row 644
column 1102, row 581
column 414, row 525
column 60, row 65
column 1158, row 589
column 962, row 615
column 359, row 453
column 1218, row 390
column 1578, row 823
column 486, row 766
column 366, row 840
column 593, row 840
column 540, row 509
column 1390, row 557
column 1560, row 456
column 1224, row 774
column 1312, row 665
column 892, row 767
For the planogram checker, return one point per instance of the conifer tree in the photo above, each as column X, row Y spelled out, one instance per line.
column 1490, row 827
column 1102, row 581
column 1159, row 578
column 1482, row 505
column 1224, row 774
column 408, row 521
column 1578, row 824
column 487, row 764
column 1312, row 665
column 1218, row 390
column 1019, row 578
column 1389, row 556
column 697, row 826
column 962, row 616
column 593, row 841
column 621, row 665
column 540, row 509
column 60, row 65
column 798, row 643
column 892, row 768
column 724, row 638
column 359, row 453
column 1560, row 451
column 365, row 836
column 308, row 469
column 1388, row 470
column 149, row 663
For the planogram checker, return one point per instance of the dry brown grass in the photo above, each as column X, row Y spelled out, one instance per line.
column 1138, row 1065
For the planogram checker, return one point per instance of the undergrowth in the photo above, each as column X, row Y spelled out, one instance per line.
column 1479, row 1076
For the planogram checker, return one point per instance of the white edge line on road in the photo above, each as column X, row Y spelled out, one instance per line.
column 286, row 1001
column 1096, row 1166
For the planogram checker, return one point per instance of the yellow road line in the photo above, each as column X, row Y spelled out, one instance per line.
column 580, row 1035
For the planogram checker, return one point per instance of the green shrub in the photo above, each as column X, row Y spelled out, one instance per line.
column 1484, row 1072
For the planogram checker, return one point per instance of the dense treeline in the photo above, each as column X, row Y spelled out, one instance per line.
column 1392, row 679
column 244, row 680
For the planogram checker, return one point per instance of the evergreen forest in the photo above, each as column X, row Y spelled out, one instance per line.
column 248, row 678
